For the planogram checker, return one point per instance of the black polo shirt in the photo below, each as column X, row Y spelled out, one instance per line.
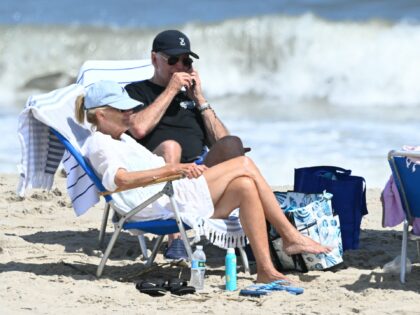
column 181, row 122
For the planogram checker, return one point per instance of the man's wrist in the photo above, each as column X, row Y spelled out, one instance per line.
column 203, row 107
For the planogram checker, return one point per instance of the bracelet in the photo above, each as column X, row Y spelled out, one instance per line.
column 204, row 107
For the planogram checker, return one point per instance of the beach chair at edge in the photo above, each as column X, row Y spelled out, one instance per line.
column 407, row 180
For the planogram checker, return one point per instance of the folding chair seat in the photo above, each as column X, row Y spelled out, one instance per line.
column 406, row 175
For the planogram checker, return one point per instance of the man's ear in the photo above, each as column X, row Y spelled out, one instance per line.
column 153, row 57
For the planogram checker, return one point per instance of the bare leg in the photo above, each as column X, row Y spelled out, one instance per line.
column 241, row 192
column 170, row 150
column 218, row 179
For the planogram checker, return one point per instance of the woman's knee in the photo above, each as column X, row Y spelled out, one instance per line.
column 246, row 163
column 244, row 185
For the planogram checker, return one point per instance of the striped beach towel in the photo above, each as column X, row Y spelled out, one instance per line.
column 224, row 233
column 42, row 152
column 121, row 71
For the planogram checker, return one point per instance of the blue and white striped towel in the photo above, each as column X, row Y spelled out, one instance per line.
column 224, row 233
column 42, row 152
column 121, row 71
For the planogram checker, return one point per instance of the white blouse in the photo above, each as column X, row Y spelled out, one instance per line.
column 107, row 155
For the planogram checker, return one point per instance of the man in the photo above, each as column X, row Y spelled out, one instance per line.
column 177, row 122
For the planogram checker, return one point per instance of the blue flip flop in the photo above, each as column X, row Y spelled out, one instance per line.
column 257, row 290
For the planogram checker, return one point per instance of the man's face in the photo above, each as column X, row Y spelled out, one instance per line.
column 166, row 66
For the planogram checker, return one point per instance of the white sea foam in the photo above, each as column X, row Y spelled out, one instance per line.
column 295, row 59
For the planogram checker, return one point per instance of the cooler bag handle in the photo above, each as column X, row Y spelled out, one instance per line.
column 322, row 170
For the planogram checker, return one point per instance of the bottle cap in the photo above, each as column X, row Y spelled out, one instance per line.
column 231, row 251
column 199, row 247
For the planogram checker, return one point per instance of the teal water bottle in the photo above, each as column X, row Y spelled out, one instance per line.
column 230, row 267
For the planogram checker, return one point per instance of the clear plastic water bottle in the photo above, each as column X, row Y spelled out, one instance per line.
column 230, row 269
column 198, row 268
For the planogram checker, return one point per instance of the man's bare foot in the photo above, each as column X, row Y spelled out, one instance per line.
column 270, row 276
column 304, row 245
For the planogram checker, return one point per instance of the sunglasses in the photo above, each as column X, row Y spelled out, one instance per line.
column 120, row 110
column 173, row 60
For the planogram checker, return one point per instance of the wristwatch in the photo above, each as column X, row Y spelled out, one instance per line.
column 204, row 107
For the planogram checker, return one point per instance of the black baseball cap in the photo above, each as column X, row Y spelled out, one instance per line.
column 172, row 43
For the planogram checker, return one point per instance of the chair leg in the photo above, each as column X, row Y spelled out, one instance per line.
column 143, row 246
column 156, row 247
column 103, row 225
column 244, row 258
column 118, row 228
column 404, row 252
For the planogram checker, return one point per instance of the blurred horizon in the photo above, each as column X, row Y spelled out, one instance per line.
column 143, row 13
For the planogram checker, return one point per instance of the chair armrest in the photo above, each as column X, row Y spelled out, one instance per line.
column 152, row 182
column 412, row 154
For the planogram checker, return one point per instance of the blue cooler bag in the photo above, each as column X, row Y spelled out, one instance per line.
column 349, row 196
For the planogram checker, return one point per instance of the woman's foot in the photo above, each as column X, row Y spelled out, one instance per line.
column 268, row 276
column 304, row 245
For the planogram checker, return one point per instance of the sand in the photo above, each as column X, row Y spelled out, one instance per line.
column 48, row 258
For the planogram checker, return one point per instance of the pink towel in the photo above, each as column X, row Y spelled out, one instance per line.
column 393, row 213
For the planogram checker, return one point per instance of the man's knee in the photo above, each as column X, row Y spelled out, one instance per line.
column 170, row 150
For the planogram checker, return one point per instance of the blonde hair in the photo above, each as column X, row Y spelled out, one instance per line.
column 90, row 114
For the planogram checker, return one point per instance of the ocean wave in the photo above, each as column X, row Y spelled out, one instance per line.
column 291, row 59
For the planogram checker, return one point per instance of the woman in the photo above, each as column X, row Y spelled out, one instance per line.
column 207, row 192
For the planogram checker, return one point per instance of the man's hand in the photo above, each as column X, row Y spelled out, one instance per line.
column 179, row 80
column 191, row 82
column 194, row 91
column 190, row 170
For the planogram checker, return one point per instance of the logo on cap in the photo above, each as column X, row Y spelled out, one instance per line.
column 182, row 41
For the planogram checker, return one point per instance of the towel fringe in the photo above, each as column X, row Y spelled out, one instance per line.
column 222, row 238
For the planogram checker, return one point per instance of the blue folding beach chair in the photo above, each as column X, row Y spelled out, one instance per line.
column 157, row 227
column 407, row 179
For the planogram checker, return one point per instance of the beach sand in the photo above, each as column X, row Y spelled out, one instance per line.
column 48, row 258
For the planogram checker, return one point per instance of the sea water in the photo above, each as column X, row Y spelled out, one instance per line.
column 301, row 82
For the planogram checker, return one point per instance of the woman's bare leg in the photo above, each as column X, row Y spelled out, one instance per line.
column 241, row 192
column 218, row 178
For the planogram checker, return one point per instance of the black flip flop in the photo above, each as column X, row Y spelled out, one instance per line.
column 152, row 287
column 179, row 287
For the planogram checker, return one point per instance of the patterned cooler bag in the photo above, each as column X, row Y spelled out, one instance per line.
column 312, row 215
